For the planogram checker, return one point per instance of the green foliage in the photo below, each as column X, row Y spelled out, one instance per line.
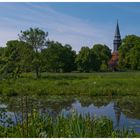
column 74, row 126
column 129, row 53
column 17, row 58
column 106, row 84
column 9, row 91
column 86, row 60
column 37, row 64
column 103, row 127
column 1, row 51
column 58, row 58
column 2, row 61
column 102, row 52
column 68, row 57
column 36, row 38
column 104, row 66
column 1, row 55
column 123, row 133
column 94, row 59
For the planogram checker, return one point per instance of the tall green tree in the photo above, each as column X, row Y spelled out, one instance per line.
column 104, row 54
column 129, row 53
column 17, row 58
column 51, row 57
column 1, row 55
column 59, row 58
column 2, row 62
column 1, row 51
column 36, row 38
column 68, row 58
column 87, row 60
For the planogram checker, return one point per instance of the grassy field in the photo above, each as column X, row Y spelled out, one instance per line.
column 106, row 84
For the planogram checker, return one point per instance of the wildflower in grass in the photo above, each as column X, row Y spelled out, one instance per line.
column 94, row 83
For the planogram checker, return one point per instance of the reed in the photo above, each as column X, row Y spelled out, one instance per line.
column 74, row 126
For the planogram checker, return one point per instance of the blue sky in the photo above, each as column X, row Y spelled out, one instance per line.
column 78, row 24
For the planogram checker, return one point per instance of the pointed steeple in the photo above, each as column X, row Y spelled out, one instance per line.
column 117, row 31
column 117, row 38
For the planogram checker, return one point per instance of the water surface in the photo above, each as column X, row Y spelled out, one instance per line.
column 123, row 111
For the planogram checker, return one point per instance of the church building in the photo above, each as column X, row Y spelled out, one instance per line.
column 113, row 62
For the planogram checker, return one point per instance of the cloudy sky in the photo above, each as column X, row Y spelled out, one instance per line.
column 78, row 24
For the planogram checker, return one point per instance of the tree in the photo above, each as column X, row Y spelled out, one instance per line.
column 1, row 55
column 1, row 51
column 135, row 58
column 129, row 53
column 1, row 59
column 36, row 38
column 51, row 57
column 103, row 53
column 87, row 60
column 17, row 58
column 68, row 57
column 103, row 66
column 59, row 58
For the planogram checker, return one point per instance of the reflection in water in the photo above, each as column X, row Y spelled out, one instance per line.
column 117, row 111
column 124, row 111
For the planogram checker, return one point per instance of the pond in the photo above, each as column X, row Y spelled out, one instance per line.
column 123, row 111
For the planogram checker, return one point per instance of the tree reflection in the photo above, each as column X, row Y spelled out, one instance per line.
column 117, row 111
column 130, row 106
column 96, row 101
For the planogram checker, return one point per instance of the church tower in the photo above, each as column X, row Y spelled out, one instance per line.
column 117, row 39
column 113, row 62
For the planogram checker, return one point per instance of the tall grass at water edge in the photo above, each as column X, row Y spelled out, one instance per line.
column 74, row 126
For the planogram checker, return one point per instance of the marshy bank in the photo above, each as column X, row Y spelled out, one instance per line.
column 96, row 84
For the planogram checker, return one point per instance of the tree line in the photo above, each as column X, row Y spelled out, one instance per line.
column 34, row 53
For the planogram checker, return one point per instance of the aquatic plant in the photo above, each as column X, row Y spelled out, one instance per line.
column 74, row 126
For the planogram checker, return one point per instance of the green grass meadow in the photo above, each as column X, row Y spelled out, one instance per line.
column 96, row 84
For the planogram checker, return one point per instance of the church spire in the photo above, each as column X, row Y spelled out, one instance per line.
column 117, row 31
column 117, row 38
